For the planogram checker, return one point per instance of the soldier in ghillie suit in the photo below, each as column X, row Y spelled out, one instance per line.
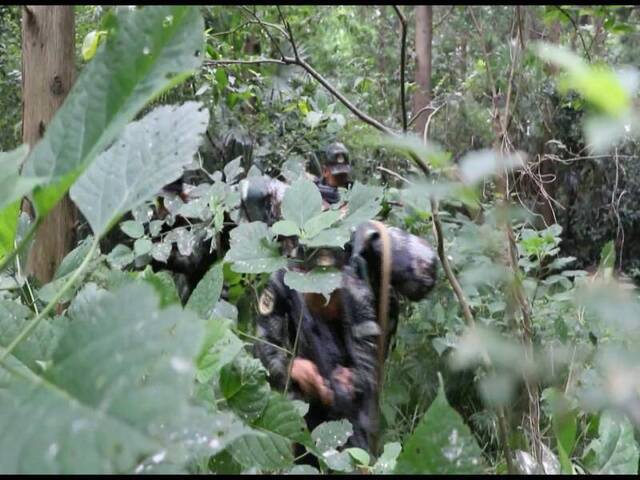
column 336, row 343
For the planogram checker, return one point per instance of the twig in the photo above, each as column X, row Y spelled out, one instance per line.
column 265, row 29
column 575, row 26
column 397, row 175
column 457, row 289
column 257, row 61
column 290, row 33
column 233, row 30
column 403, row 48
column 444, row 17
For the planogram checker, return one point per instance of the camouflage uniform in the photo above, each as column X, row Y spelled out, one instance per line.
column 351, row 342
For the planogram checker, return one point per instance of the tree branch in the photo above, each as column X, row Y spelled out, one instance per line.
column 403, row 48
column 257, row 61
column 577, row 29
column 265, row 29
column 290, row 33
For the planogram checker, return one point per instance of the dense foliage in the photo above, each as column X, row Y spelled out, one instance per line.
column 524, row 356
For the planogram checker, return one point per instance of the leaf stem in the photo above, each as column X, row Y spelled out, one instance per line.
column 6, row 261
column 36, row 321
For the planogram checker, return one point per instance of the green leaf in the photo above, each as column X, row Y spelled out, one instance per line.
column 331, row 237
column 599, row 85
column 74, row 258
column 163, row 284
column 252, row 250
column 479, row 164
column 441, row 443
column 302, row 201
column 149, row 154
column 413, row 146
column 285, row 228
column 270, row 448
column 142, row 57
column 303, row 470
column 358, row 454
column 132, row 228
column 120, row 256
column 90, row 44
column 616, row 451
column 8, row 227
column 142, row 246
column 319, row 280
column 320, row 222
column 244, row 386
column 206, row 294
column 607, row 256
column 14, row 186
column 339, row 461
column 331, row 435
column 386, row 463
column 118, row 373
column 363, row 204
column 220, row 348
column 37, row 348
column 313, row 119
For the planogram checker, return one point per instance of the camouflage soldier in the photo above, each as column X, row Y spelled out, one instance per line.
column 335, row 344
column 336, row 172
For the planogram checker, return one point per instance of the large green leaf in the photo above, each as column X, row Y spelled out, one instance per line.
column 331, row 435
column 270, row 447
column 319, row 280
column 120, row 372
column 253, row 249
column 616, row 450
column 363, row 204
column 13, row 187
column 477, row 165
column 221, row 346
column 243, row 384
column 149, row 154
column 207, row 293
column 146, row 52
column 37, row 349
column 441, row 443
column 599, row 85
column 302, row 201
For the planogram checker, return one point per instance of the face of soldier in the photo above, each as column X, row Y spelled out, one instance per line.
column 336, row 179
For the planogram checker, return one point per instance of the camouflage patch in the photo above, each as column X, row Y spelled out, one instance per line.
column 366, row 329
column 266, row 302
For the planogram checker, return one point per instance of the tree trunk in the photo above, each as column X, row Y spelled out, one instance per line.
column 424, row 34
column 47, row 76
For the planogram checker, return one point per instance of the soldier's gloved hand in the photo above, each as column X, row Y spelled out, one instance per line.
column 344, row 378
column 305, row 373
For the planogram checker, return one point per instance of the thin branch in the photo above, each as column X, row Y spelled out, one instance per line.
column 395, row 174
column 575, row 26
column 233, row 30
column 457, row 289
column 444, row 17
column 355, row 110
column 265, row 29
column 256, row 61
column 403, row 49
column 418, row 113
column 290, row 33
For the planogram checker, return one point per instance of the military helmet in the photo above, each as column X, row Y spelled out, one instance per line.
column 337, row 158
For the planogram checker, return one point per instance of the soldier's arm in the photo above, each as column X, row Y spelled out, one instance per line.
column 364, row 333
column 272, row 329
